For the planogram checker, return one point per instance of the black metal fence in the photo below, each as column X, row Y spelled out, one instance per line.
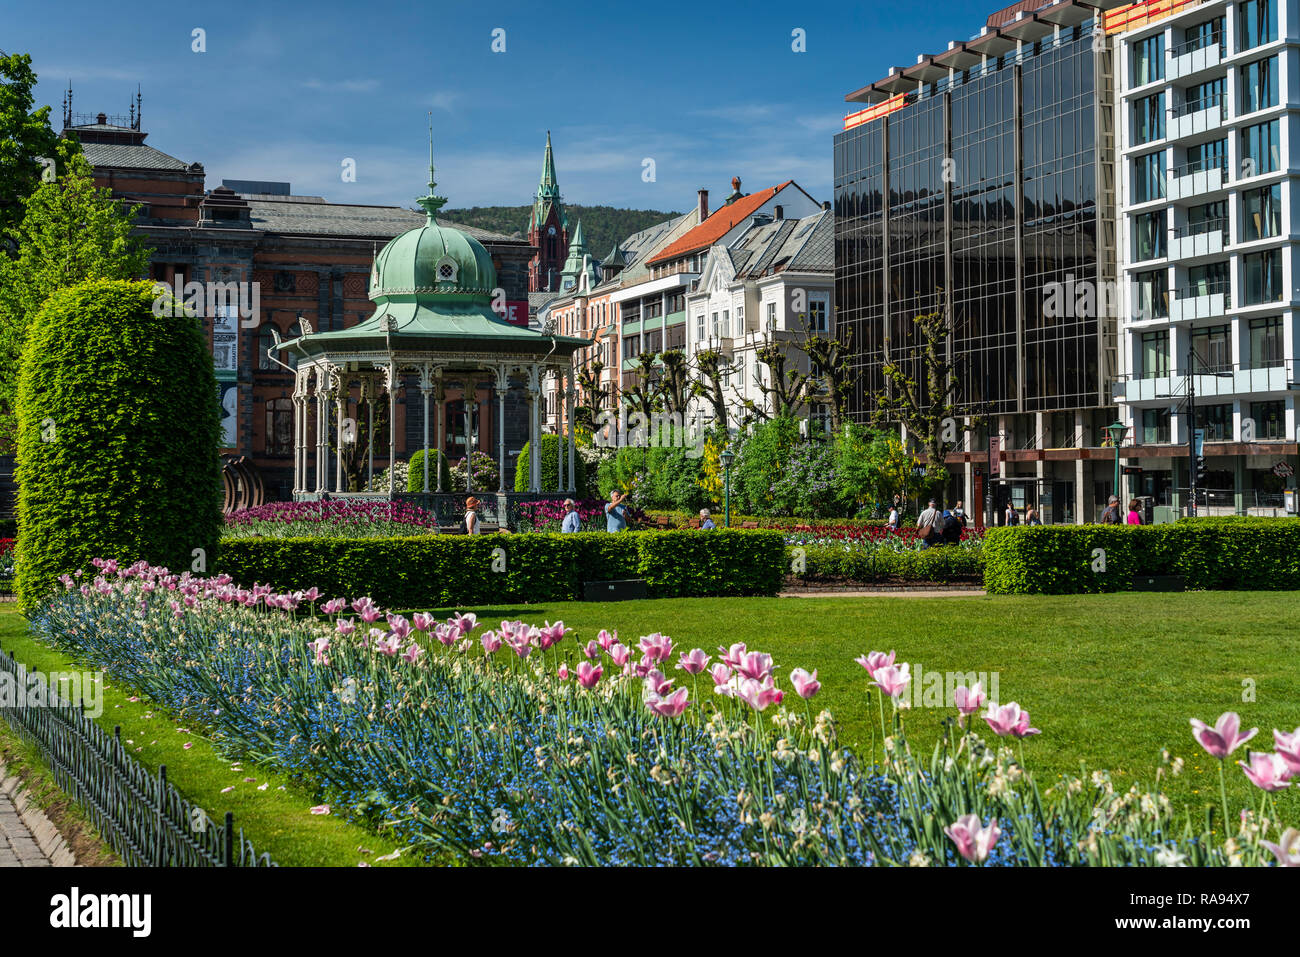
column 142, row 817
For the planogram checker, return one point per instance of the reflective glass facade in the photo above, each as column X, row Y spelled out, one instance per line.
column 1015, row 214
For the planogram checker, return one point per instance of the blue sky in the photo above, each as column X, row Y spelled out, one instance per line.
column 289, row 90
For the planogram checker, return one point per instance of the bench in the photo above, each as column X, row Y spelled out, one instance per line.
column 623, row 589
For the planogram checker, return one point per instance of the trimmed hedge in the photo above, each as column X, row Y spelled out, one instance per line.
column 415, row 477
column 549, row 465
column 1243, row 554
column 451, row 570
column 940, row 565
column 119, row 434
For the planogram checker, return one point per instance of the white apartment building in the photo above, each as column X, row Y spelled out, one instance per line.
column 1208, row 162
column 772, row 280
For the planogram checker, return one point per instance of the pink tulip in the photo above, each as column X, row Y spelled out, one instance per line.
column 399, row 626
column 334, row 605
column 875, row 660
column 1287, row 849
column 310, row 595
column 973, row 840
column 758, row 694
column 1268, row 772
column 657, row 683
column 1009, row 719
column 694, row 662
column 389, row 645
column 619, row 653
column 346, row 626
column 606, row 640
column 466, row 623
column 366, row 610
column 319, row 647
column 551, row 634
column 731, row 656
column 446, row 634
column 1224, row 738
column 805, row 685
column 720, row 673
column 656, row 647
column 1288, row 749
column 592, row 651
column 423, row 622
column 491, row 641
column 588, row 674
column 668, row 707
column 563, row 671
column 892, row 680
column 969, row 700
column 756, row 665
column 412, row 653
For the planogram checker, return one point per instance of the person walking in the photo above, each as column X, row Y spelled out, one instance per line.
column 895, row 517
column 926, row 523
column 1134, row 516
column 1111, row 514
column 952, row 527
column 572, row 523
column 472, row 525
column 706, row 522
column 1011, row 516
column 1031, row 516
column 616, row 512
column 960, row 513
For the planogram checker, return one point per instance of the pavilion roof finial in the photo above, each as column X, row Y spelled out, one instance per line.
column 431, row 203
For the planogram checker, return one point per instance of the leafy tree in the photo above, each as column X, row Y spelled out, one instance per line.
column 72, row 231
column 832, row 379
column 438, row 461
column 25, row 139
column 119, row 436
column 761, row 458
column 708, row 385
column 552, row 446
column 593, row 396
column 674, row 384
column 785, row 394
column 644, row 396
column 871, row 467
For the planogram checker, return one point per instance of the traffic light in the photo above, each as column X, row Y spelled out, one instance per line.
column 1132, row 470
column 1200, row 468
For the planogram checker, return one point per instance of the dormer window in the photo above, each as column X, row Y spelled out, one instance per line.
column 447, row 269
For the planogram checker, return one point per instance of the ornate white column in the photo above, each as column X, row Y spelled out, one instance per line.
column 559, row 431
column 426, row 389
column 440, row 404
column 569, row 395
column 368, row 396
column 321, row 430
column 339, row 388
column 299, row 432
column 503, row 386
column 390, row 380
column 534, row 433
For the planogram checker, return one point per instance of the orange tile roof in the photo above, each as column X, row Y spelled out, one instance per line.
column 718, row 225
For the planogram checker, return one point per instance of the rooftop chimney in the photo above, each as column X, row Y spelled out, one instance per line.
column 826, row 204
column 704, row 204
column 780, row 213
column 102, row 119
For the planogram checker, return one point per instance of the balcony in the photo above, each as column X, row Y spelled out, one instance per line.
column 1205, row 115
column 1197, row 181
column 1234, row 381
column 1189, row 59
column 1206, row 300
column 1199, row 239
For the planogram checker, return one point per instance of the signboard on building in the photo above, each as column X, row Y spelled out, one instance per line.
column 228, row 395
column 516, row 313
column 225, row 339
column 1283, row 470
column 995, row 455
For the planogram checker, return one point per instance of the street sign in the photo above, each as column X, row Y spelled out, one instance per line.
column 1283, row 470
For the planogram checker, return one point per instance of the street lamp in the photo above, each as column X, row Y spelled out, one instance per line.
column 726, row 456
column 1116, row 431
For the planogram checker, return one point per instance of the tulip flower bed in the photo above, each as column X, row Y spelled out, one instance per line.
column 333, row 519
column 548, row 515
column 529, row 744
column 876, row 554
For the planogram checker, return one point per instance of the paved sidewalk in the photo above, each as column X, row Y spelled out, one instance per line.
column 27, row 837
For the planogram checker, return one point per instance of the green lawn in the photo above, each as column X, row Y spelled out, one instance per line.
column 1109, row 679
column 276, row 819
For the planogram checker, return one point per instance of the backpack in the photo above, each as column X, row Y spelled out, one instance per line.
column 1013, row 518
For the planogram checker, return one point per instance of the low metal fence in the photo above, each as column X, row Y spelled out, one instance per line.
column 143, row 818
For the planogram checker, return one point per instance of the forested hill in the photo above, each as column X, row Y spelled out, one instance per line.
column 602, row 226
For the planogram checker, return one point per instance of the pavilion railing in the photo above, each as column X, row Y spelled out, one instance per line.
column 145, row 820
column 496, row 509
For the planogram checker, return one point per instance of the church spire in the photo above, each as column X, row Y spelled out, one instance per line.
column 549, row 187
column 431, row 203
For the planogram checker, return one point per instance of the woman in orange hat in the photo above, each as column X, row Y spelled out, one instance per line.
column 472, row 526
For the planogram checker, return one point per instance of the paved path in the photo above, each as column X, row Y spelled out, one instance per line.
column 27, row 837
column 899, row 593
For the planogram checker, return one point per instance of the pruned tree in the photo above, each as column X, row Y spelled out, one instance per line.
column 644, row 396
column 592, row 396
column 674, row 382
column 708, row 384
column 786, row 392
column 925, row 405
column 831, row 379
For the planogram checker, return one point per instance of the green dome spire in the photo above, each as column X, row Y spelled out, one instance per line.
column 431, row 203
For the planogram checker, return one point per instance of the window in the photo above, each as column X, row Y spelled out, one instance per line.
column 817, row 315
column 1213, row 349
column 771, row 315
column 631, row 346
column 1216, row 420
column 726, row 322
column 1211, row 155
column 1263, row 276
column 279, row 427
column 1261, row 212
column 1152, row 294
column 699, row 326
column 1155, row 426
column 1260, row 149
column 1207, row 217
column 1203, row 96
column 740, row 321
column 1270, row 419
column 1266, row 342
column 1155, row 354
column 1206, row 279
column 1202, row 35
column 1149, row 119
column 1149, row 177
column 265, row 342
column 1258, row 85
column 1256, row 24
column 713, row 326
column 1149, row 236
column 1149, row 60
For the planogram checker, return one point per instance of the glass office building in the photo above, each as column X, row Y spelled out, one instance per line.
column 984, row 174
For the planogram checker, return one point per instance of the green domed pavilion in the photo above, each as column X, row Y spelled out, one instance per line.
column 434, row 290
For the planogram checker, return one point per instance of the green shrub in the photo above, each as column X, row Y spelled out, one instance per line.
column 881, row 564
column 415, row 477
column 118, row 437
column 447, row 571
column 551, row 445
column 1238, row 554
